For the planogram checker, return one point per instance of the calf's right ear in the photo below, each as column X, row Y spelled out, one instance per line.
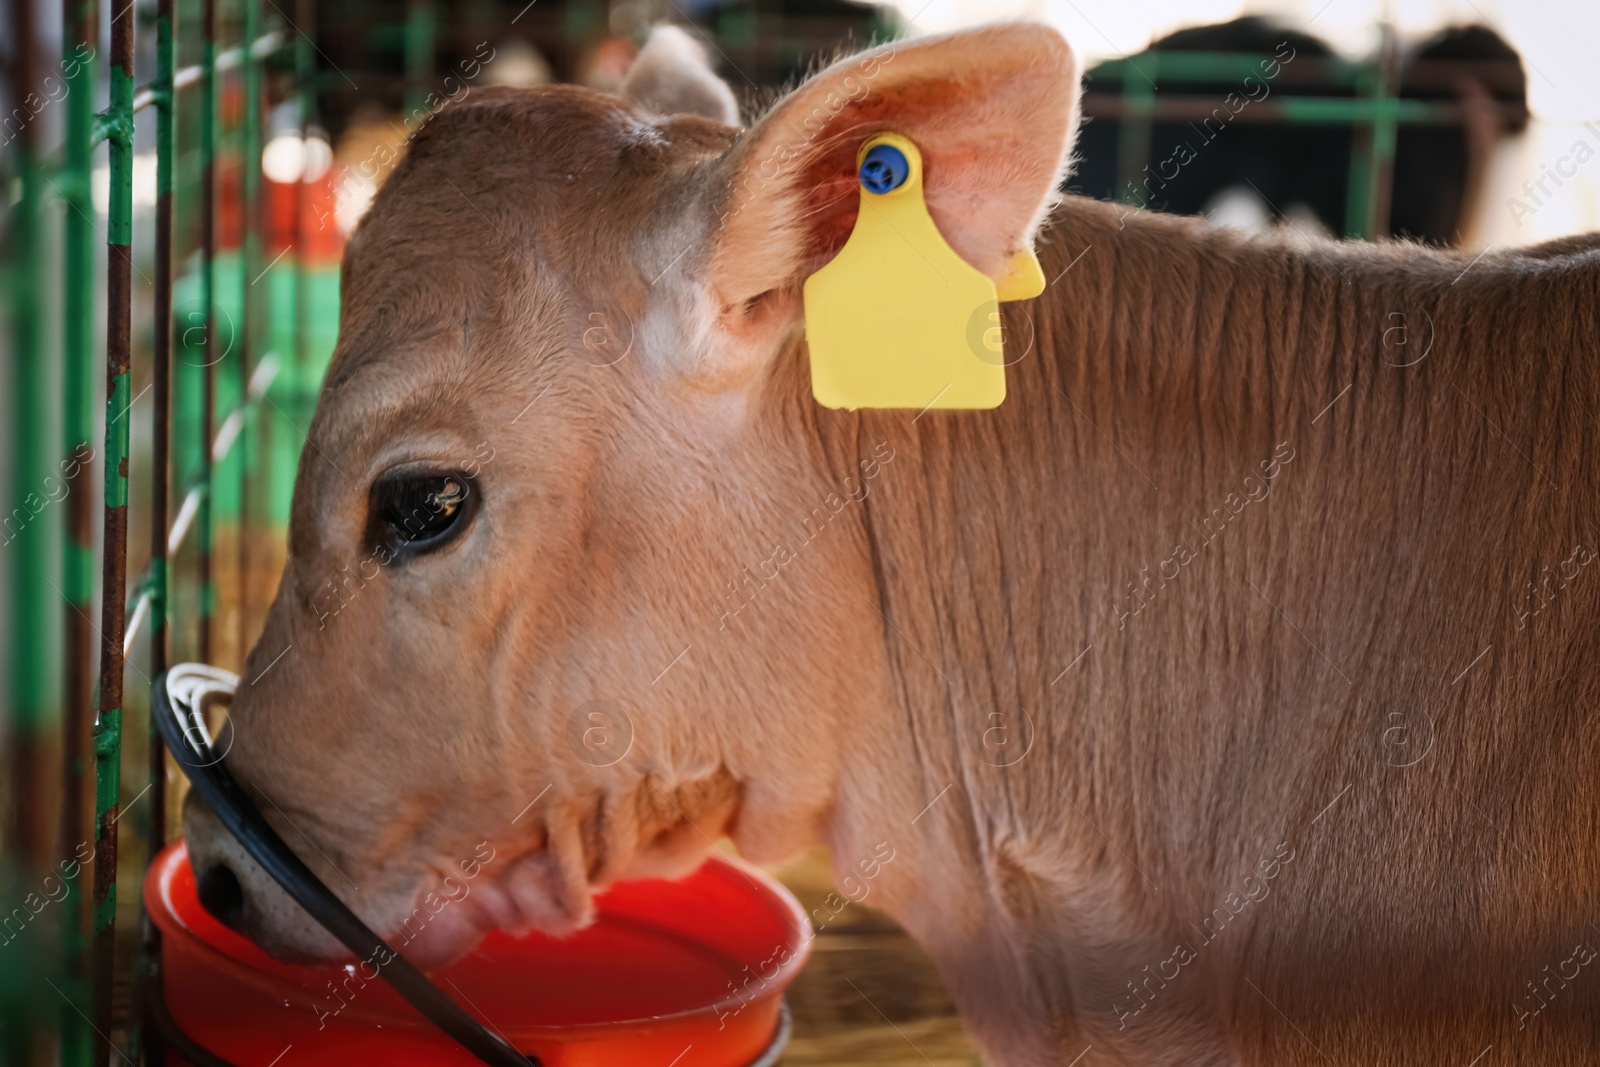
column 992, row 111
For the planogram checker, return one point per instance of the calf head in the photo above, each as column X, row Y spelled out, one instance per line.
column 574, row 587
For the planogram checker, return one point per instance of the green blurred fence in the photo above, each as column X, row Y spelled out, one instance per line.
column 181, row 408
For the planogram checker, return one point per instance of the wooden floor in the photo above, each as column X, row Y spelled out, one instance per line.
column 869, row 994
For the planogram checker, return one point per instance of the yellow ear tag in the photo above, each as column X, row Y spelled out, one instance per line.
column 897, row 319
column 1023, row 279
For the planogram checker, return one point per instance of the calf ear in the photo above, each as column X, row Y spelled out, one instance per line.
column 992, row 111
column 671, row 77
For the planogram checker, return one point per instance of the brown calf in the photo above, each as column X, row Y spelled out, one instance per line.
column 1227, row 696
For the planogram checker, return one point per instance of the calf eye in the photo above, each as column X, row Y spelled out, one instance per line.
column 413, row 512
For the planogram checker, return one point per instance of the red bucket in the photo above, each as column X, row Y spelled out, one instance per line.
column 689, row 973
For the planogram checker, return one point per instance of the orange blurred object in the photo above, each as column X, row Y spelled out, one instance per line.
column 689, row 973
column 319, row 226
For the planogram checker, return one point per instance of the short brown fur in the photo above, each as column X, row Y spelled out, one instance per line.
column 1347, row 685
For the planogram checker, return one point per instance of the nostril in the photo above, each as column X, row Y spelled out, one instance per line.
column 221, row 894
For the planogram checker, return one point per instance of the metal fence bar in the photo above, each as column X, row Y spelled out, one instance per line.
column 221, row 445
column 1292, row 110
column 418, row 48
column 1181, row 66
column 1374, row 111
column 305, row 73
column 1372, row 151
column 154, row 581
column 26, row 525
column 161, row 380
column 208, row 282
column 249, row 306
column 20, row 529
column 1375, row 115
column 165, row 95
column 114, row 562
column 1133, row 137
column 260, row 47
column 80, row 34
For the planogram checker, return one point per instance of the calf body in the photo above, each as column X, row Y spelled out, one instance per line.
column 1226, row 696
column 1256, row 639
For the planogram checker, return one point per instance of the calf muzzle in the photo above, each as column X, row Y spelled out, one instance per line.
column 177, row 700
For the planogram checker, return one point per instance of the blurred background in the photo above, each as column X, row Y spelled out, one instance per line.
column 1471, row 123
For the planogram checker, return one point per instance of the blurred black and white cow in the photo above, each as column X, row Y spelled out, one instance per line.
column 1252, row 173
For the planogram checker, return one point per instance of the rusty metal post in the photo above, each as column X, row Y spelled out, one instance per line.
column 165, row 100
column 114, row 562
column 161, row 431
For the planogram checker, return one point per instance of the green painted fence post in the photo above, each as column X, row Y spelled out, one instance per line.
column 208, row 300
column 25, row 522
column 80, row 33
column 249, row 306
